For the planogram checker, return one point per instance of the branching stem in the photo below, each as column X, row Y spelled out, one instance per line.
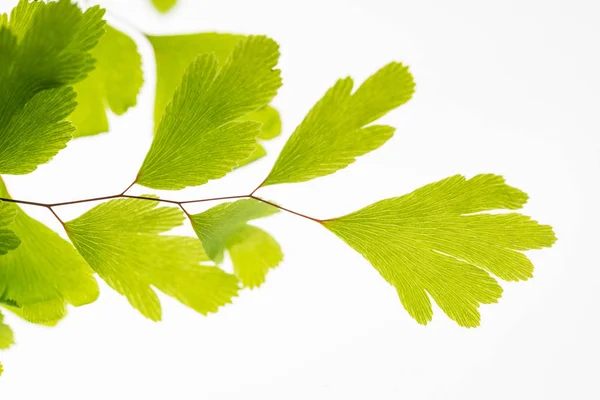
column 284, row 209
column 57, row 217
column 122, row 195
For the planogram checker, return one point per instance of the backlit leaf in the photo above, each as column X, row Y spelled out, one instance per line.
column 270, row 120
column 8, row 239
column 44, row 273
column 122, row 241
column 6, row 337
column 164, row 5
column 436, row 242
column 201, row 136
column 337, row 129
column 114, row 83
column 253, row 251
column 36, row 69
column 6, row 334
column 216, row 225
column 173, row 56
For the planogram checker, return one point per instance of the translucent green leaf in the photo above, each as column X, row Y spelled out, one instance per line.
column 8, row 239
column 436, row 242
column 200, row 136
column 24, row 314
column 270, row 120
column 164, row 5
column 44, row 273
column 173, row 56
column 216, row 225
column 122, row 241
column 335, row 131
column 6, row 337
column 114, row 83
column 253, row 251
column 35, row 70
column 258, row 153
column 6, row 334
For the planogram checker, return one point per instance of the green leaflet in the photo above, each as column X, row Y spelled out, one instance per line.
column 173, row 56
column 114, row 83
column 253, row 251
column 200, row 136
column 215, row 226
column 6, row 337
column 122, row 241
column 164, row 5
column 36, row 69
column 333, row 133
column 270, row 120
column 8, row 239
column 6, row 334
column 44, row 273
column 435, row 242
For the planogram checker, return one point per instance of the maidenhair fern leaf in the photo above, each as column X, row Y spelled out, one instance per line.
column 122, row 241
column 335, row 131
column 114, row 83
column 6, row 337
column 253, row 251
column 215, row 226
column 6, row 334
column 200, row 137
column 436, row 242
column 8, row 239
column 175, row 53
column 44, row 273
column 164, row 5
column 36, row 69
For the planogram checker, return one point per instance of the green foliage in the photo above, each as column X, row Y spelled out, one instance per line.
column 173, row 56
column 253, row 251
column 36, row 71
column 175, row 53
column 6, row 334
column 164, row 5
column 44, row 273
column 122, row 241
column 435, row 241
column 6, row 337
column 8, row 239
column 444, row 241
column 114, row 83
column 333, row 133
column 202, row 121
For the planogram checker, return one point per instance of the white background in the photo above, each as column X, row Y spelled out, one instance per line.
column 509, row 87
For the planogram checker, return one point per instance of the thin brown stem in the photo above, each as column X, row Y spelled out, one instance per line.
column 259, row 186
column 129, row 187
column 29, row 203
column 51, row 206
column 57, row 217
column 68, row 203
column 287, row 209
column 187, row 214
column 243, row 196
column 126, row 196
